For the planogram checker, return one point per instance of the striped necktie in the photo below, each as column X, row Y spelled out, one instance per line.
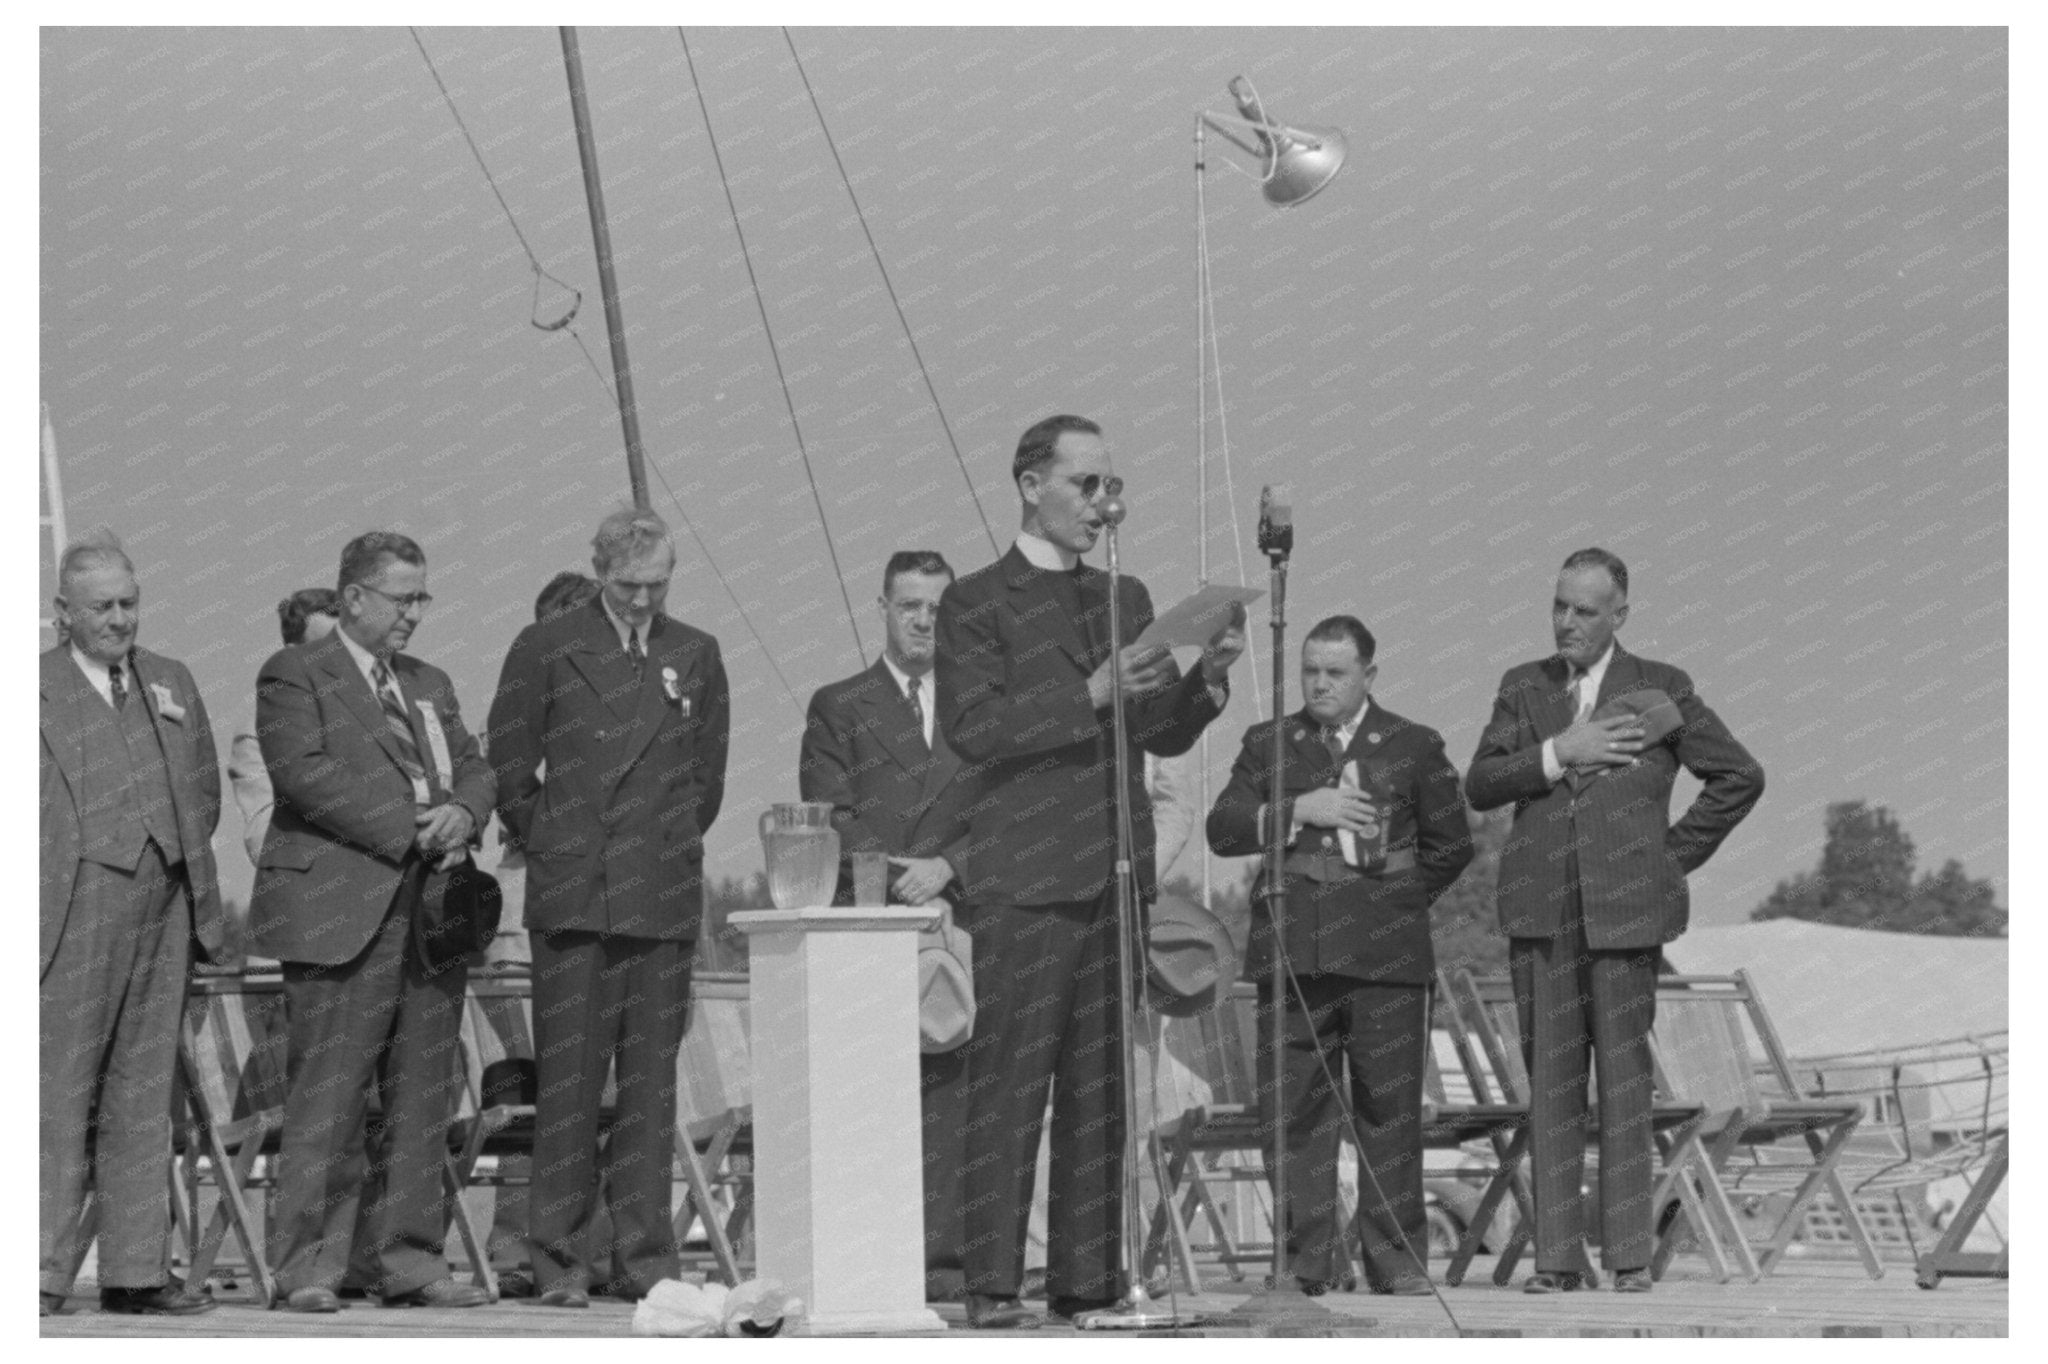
column 396, row 721
column 117, row 686
column 634, row 652
column 914, row 690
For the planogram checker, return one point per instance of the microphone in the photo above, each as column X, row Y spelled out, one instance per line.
column 1276, row 521
column 1112, row 505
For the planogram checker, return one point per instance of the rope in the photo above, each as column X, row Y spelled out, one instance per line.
column 781, row 377
column 539, row 273
column 719, row 574
column 889, row 285
column 1205, row 322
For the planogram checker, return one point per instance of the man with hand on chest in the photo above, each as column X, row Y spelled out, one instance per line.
column 1375, row 830
column 609, row 735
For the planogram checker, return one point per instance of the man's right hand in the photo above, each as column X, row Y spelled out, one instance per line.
column 1335, row 807
column 1146, row 668
column 1613, row 742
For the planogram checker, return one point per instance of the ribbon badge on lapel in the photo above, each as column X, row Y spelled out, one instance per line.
column 672, row 688
column 165, row 705
column 437, row 741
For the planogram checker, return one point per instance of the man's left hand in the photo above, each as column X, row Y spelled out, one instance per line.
column 442, row 829
column 922, row 878
column 1223, row 648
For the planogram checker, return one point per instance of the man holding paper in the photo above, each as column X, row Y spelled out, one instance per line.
column 1025, row 690
column 1586, row 743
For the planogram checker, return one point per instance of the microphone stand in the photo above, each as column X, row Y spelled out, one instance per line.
column 1135, row 1309
column 1281, row 1309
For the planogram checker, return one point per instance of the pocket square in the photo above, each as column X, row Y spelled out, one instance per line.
column 1657, row 712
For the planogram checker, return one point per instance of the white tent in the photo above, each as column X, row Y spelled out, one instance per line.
column 1832, row 990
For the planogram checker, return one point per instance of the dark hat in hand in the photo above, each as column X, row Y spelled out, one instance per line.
column 1657, row 712
column 1191, row 957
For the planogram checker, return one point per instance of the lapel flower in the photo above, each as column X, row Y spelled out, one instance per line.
column 671, row 686
column 166, row 705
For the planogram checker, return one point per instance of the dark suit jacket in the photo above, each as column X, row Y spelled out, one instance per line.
column 1374, row 927
column 343, row 819
column 189, row 756
column 864, row 752
column 1013, row 671
column 1632, row 862
column 608, row 781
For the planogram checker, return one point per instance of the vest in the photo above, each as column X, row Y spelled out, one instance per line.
column 126, row 787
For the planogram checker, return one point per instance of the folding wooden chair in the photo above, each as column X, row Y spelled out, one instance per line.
column 1688, row 1175
column 1711, row 1036
column 715, row 1120
column 231, row 1055
column 1501, row 1122
column 1207, row 1101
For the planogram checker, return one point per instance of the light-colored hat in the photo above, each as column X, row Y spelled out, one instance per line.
column 945, row 984
column 1190, row 956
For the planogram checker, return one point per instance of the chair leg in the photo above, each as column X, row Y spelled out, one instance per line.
column 1826, row 1155
column 696, row 1198
column 482, row 1274
column 1860, row 1234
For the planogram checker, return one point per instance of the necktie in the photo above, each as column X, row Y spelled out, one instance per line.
column 117, row 686
column 1583, row 686
column 400, row 726
column 636, row 653
column 913, row 690
column 1333, row 739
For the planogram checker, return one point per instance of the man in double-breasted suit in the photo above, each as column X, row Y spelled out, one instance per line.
column 1374, row 826
column 609, row 734
column 1025, row 689
column 872, row 749
column 376, row 780
column 1592, row 883
column 130, row 796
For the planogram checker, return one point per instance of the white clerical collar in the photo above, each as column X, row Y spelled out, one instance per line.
column 624, row 629
column 1040, row 552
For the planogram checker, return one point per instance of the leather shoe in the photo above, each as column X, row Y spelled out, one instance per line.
column 1001, row 1314
column 53, row 1304
column 1554, row 1281
column 308, row 1300
column 170, row 1299
column 1407, row 1286
column 1064, row 1306
column 1313, row 1288
column 440, row 1293
column 565, row 1296
column 1631, row 1280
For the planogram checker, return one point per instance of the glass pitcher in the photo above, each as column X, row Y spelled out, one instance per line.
column 802, row 850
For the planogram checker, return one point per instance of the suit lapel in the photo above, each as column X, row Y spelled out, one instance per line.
column 1306, row 750
column 604, row 665
column 944, row 765
column 65, row 693
column 648, row 698
column 1624, row 675
column 331, row 658
column 1038, row 610
column 889, row 718
column 1554, row 706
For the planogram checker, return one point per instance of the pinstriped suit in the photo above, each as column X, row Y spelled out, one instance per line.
column 1592, row 881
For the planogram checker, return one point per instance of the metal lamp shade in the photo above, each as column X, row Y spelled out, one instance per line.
column 1300, row 169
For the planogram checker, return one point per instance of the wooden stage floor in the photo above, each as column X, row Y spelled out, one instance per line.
column 1808, row 1298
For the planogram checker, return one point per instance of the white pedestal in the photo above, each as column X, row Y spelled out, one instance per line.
column 838, row 1179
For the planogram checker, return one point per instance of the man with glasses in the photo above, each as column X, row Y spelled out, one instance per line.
column 376, row 782
column 1025, row 690
column 609, row 736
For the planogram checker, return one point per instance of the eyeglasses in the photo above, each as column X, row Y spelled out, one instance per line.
column 419, row 601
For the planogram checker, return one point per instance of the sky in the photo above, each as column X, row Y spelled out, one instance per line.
column 1731, row 303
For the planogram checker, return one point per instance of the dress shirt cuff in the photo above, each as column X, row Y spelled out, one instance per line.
column 1553, row 770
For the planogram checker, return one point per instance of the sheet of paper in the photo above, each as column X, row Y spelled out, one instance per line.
column 1190, row 623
